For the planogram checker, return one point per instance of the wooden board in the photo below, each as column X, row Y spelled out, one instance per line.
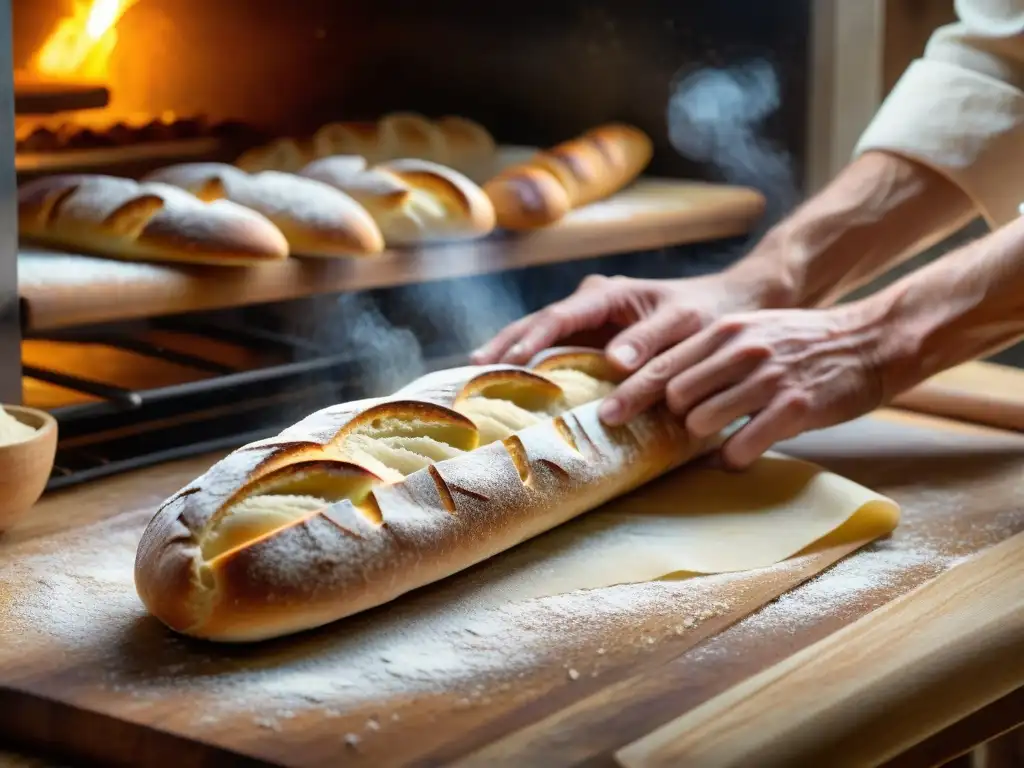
column 565, row 682
column 951, row 645
column 980, row 392
column 60, row 290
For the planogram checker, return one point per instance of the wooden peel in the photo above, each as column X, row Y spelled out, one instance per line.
column 979, row 392
column 951, row 646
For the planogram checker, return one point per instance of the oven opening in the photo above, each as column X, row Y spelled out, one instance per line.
column 143, row 359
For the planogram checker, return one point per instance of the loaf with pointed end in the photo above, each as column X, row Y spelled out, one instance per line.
column 573, row 174
column 414, row 202
column 317, row 219
column 363, row 502
column 455, row 142
column 121, row 218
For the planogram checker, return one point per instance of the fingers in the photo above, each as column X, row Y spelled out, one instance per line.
column 520, row 341
column 636, row 345
column 716, row 413
column 720, row 371
column 782, row 419
column 496, row 348
column 647, row 386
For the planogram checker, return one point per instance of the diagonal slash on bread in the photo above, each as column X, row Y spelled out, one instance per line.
column 364, row 501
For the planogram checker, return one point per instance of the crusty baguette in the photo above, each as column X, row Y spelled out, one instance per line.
column 575, row 173
column 455, row 142
column 317, row 219
column 413, row 201
column 122, row 218
column 362, row 502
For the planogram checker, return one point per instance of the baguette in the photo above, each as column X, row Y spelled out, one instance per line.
column 455, row 142
column 362, row 502
column 122, row 218
column 317, row 219
column 414, row 202
column 575, row 173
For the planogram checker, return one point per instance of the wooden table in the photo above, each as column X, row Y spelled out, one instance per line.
column 962, row 491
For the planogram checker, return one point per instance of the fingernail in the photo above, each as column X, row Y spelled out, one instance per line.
column 609, row 411
column 517, row 350
column 625, row 355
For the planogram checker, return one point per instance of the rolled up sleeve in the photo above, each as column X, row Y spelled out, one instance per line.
column 959, row 109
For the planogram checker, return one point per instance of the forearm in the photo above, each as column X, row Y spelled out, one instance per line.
column 880, row 210
column 968, row 304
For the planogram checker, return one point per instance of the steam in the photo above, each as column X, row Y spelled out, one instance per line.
column 716, row 116
column 451, row 317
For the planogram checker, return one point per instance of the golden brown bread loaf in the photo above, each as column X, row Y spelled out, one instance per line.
column 413, row 201
column 317, row 219
column 362, row 502
column 575, row 173
column 117, row 217
column 455, row 142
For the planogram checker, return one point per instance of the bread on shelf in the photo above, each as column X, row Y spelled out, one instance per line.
column 414, row 202
column 573, row 174
column 123, row 218
column 364, row 501
column 316, row 219
column 455, row 142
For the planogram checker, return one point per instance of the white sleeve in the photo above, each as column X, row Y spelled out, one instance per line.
column 960, row 108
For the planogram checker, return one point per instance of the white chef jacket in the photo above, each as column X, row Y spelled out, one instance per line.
column 959, row 109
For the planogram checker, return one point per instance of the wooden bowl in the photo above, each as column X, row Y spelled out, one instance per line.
column 25, row 467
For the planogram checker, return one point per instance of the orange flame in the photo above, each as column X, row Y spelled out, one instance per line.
column 81, row 44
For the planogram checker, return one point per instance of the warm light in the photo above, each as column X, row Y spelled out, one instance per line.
column 81, row 44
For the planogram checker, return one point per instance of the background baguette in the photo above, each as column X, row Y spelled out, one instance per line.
column 362, row 502
column 317, row 219
column 575, row 173
column 413, row 201
column 122, row 218
column 454, row 142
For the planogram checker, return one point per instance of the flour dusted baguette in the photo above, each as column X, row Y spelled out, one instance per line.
column 317, row 219
column 118, row 217
column 455, row 142
column 575, row 173
column 413, row 201
column 362, row 502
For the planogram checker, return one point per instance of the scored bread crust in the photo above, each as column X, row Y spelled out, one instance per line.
column 455, row 142
column 575, row 173
column 413, row 201
column 316, row 219
column 122, row 218
column 364, row 501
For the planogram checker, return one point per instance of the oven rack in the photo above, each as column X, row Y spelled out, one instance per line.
column 127, row 429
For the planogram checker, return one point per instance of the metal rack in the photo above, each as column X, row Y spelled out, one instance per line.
column 129, row 429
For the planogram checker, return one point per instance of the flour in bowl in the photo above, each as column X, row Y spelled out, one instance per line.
column 13, row 431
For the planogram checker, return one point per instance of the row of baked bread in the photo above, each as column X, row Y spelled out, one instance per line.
column 335, row 205
column 525, row 195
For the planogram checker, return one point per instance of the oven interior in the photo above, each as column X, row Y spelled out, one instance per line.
column 189, row 79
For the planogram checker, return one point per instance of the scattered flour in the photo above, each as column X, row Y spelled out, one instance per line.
column 81, row 602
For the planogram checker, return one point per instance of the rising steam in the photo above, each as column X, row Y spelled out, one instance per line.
column 717, row 116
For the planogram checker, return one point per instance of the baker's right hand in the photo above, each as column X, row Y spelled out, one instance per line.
column 636, row 319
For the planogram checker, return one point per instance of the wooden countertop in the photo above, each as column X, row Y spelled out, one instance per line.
column 959, row 486
column 61, row 290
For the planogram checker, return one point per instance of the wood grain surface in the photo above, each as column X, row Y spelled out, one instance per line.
column 979, row 392
column 950, row 646
column 60, row 290
column 564, row 683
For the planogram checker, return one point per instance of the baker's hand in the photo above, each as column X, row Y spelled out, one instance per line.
column 790, row 370
column 637, row 319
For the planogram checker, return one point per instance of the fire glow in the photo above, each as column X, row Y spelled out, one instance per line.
column 81, row 44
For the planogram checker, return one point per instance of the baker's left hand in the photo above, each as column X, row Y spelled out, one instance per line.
column 790, row 370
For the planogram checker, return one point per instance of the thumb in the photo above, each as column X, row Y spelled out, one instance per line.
column 642, row 341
